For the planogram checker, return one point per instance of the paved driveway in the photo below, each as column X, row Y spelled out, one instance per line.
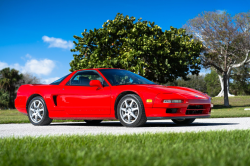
column 114, row 127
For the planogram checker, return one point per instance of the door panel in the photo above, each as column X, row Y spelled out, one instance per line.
column 85, row 100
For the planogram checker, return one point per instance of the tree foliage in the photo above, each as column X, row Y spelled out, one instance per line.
column 10, row 77
column 194, row 82
column 240, row 84
column 28, row 78
column 139, row 46
column 212, row 83
column 4, row 99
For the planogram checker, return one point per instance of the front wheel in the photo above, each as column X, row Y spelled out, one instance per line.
column 183, row 121
column 130, row 111
column 38, row 113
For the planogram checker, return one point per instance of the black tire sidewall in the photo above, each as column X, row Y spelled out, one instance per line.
column 45, row 116
column 141, row 110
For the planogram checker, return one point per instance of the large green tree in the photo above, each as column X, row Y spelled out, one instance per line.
column 139, row 46
column 9, row 79
column 226, row 41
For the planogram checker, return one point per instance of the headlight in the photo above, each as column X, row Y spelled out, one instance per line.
column 172, row 101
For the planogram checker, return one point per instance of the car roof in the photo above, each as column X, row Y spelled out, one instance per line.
column 99, row 69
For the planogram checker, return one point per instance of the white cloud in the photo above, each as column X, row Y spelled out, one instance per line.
column 58, row 42
column 28, row 56
column 3, row 65
column 33, row 66
column 39, row 67
column 49, row 80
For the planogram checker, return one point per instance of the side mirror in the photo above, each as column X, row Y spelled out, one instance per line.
column 96, row 83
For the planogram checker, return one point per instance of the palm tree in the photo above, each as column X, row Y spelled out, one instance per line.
column 10, row 77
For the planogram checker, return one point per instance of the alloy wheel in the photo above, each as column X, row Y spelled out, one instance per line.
column 36, row 111
column 129, row 110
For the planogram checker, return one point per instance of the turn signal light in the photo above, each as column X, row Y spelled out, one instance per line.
column 172, row 101
column 149, row 100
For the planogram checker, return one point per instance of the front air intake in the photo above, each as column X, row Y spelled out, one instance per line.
column 171, row 110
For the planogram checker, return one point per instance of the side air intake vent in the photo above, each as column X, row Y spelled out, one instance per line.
column 55, row 101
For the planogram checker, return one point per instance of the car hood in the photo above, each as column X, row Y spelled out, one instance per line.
column 183, row 91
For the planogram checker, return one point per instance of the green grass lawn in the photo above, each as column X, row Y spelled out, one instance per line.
column 224, row 148
column 219, row 111
column 14, row 116
column 236, row 109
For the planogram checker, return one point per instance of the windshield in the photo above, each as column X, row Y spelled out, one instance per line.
column 123, row 77
column 57, row 82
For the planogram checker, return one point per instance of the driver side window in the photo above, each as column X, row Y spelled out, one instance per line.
column 83, row 78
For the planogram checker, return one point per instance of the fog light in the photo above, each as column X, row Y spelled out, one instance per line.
column 172, row 101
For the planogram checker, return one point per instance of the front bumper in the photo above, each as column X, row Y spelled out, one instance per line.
column 189, row 109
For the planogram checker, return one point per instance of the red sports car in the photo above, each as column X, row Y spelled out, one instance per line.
column 96, row 94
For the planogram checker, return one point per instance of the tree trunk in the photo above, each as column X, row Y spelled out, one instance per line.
column 225, row 82
column 221, row 94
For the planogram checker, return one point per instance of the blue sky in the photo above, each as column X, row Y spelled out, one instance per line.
column 36, row 35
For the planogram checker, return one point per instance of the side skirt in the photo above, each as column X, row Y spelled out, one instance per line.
column 180, row 117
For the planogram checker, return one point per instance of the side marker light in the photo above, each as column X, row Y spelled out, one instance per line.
column 149, row 100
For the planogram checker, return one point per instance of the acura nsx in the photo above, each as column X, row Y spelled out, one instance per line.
column 93, row 95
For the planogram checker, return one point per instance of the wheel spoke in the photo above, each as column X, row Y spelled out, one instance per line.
column 134, row 109
column 123, row 109
column 131, row 103
column 132, row 114
column 39, row 115
column 39, row 103
column 33, row 114
column 126, row 104
column 32, row 109
column 129, row 118
column 34, row 106
column 36, row 117
column 124, row 115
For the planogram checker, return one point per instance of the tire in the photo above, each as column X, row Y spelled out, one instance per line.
column 131, row 114
column 38, row 113
column 93, row 122
column 183, row 121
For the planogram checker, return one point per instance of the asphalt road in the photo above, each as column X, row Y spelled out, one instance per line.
column 114, row 127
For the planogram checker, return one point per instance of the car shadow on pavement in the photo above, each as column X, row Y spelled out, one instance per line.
column 148, row 124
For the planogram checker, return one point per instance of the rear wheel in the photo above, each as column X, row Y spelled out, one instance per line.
column 183, row 121
column 131, row 111
column 38, row 113
column 93, row 122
